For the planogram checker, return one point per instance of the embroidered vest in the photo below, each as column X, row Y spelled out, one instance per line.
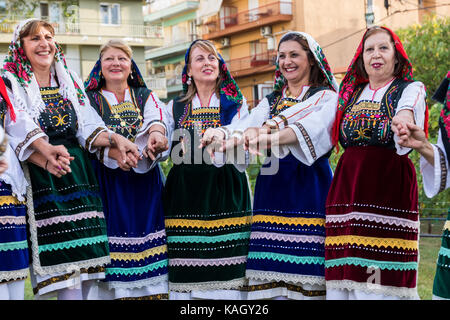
column 125, row 118
column 189, row 127
column 366, row 123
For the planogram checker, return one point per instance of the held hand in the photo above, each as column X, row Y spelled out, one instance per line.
column 400, row 120
column 263, row 141
column 211, row 135
column 3, row 165
column 130, row 161
column 61, row 168
column 412, row 137
column 56, row 155
column 124, row 146
column 156, row 143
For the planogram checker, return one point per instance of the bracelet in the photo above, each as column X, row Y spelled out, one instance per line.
column 156, row 131
column 46, row 165
column 111, row 142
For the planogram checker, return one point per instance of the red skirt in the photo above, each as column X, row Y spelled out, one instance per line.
column 372, row 223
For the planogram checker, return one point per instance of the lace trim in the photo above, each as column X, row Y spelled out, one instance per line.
column 18, row 245
column 73, row 243
column 447, row 225
column 65, row 198
column 75, row 217
column 36, row 263
column 12, row 220
column 295, row 279
column 371, row 206
column 208, row 239
column 10, row 200
column 371, row 241
column 170, row 223
column 286, row 258
column 384, row 265
column 410, row 293
column 13, row 275
column 288, row 221
column 287, row 237
column 139, row 270
column 203, row 286
column 373, row 218
column 137, row 241
column 135, row 284
column 207, row 262
column 128, row 256
column 444, row 252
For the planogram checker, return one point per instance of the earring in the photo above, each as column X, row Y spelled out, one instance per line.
column 131, row 76
column 189, row 81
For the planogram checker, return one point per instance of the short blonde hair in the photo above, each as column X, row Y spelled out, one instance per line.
column 208, row 46
column 117, row 44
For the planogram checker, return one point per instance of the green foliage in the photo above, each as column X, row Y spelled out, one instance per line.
column 427, row 47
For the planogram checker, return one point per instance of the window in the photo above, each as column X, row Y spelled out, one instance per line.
column 2, row 8
column 110, row 13
column 44, row 10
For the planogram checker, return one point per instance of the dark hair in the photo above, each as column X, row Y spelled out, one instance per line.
column 359, row 64
column 33, row 27
column 316, row 76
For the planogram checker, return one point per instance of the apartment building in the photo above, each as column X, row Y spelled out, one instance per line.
column 82, row 26
column 247, row 32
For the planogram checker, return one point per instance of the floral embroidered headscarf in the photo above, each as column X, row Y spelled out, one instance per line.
column 231, row 98
column 96, row 81
column 352, row 80
column 319, row 56
column 442, row 95
column 25, row 88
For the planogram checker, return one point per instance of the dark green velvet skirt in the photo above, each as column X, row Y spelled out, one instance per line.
column 207, row 217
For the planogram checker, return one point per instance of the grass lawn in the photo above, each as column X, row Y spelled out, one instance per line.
column 429, row 248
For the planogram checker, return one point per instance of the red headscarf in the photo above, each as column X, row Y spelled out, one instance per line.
column 352, row 80
column 4, row 94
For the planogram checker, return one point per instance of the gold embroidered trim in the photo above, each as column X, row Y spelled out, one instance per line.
column 9, row 200
column 205, row 110
column 282, row 284
column 170, row 223
column 92, row 136
column 27, row 138
column 371, row 241
column 65, row 277
column 289, row 221
column 138, row 255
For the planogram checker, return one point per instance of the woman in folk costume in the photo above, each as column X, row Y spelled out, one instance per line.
column 286, row 256
column 207, row 205
column 372, row 221
column 68, row 238
column 131, row 194
column 435, row 168
column 18, row 133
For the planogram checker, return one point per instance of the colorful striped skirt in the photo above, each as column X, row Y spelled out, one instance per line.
column 441, row 285
column 68, row 230
column 287, row 254
column 372, row 224
column 13, row 236
column 208, row 216
column 137, row 239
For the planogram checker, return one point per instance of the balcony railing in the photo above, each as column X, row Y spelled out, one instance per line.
column 273, row 9
column 164, row 80
column 93, row 28
column 257, row 60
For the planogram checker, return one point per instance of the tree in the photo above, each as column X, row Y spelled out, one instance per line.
column 427, row 47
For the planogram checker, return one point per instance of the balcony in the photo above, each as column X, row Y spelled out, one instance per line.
column 264, row 15
column 165, row 83
column 171, row 47
column 166, row 9
column 257, row 63
column 92, row 32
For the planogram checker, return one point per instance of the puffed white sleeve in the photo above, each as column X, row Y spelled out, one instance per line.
column 413, row 98
column 22, row 132
column 154, row 113
column 312, row 121
column 436, row 176
column 90, row 124
column 236, row 128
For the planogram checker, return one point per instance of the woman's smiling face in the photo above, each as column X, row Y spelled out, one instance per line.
column 40, row 49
